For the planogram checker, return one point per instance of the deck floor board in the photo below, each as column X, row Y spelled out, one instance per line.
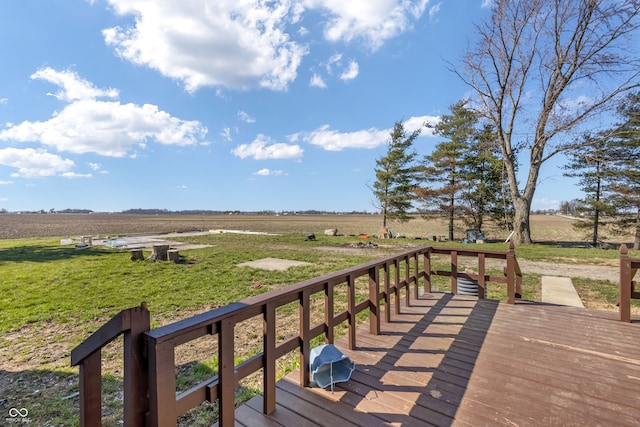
column 458, row 361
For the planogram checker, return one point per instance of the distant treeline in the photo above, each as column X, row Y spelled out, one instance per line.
column 237, row 212
column 192, row 212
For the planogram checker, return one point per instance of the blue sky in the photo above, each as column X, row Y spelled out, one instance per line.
column 229, row 104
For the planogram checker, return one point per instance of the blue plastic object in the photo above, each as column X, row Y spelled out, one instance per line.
column 329, row 366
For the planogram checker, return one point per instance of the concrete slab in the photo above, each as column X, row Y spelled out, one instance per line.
column 147, row 242
column 273, row 264
column 560, row 290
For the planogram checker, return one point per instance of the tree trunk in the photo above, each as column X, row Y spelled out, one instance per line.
column 596, row 219
column 384, row 217
column 521, row 201
column 521, row 224
column 136, row 255
column 159, row 253
column 452, row 202
column 451, row 218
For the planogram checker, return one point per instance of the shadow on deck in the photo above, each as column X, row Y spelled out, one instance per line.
column 450, row 360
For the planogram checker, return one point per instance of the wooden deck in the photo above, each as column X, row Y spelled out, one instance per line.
column 461, row 361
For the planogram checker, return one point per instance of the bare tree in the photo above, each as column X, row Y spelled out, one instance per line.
column 540, row 69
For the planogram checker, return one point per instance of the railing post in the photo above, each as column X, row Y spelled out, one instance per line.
column 625, row 284
column 482, row 286
column 162, row 384
column 416, row 294
column 387, row 297
column 407, row 294
column 352, row 311
column 136, row 373
column 454, row 272
column 511, row 274
column 328, row 311
column 427, row 270
column 396, row 275
column 132, row 323
column 269, row 359
column 226, row 373
column 91, row 390
column 374, row 300
column 305, row 349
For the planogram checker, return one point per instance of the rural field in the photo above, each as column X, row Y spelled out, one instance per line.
column 545, row 228
column 54, row 296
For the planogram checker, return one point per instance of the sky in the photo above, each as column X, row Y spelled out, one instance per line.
column 244, row 105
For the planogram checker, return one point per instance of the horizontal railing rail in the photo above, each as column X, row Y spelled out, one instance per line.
column 512, row 275
column 628, row 268
column 369, row 287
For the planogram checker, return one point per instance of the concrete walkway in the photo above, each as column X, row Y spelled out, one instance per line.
column 560, row 290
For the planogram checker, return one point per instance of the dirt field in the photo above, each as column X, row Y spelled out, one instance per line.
column 544, row 228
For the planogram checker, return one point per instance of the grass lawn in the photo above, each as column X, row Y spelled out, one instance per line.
column 54, row 296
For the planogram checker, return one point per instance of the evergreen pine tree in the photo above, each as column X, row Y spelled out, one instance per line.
column 591, row 163
column 396, row 176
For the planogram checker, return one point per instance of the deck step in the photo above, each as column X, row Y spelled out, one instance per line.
column 560, row 290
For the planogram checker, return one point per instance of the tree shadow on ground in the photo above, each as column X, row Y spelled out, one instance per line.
column 43, row 253
column 38, row 397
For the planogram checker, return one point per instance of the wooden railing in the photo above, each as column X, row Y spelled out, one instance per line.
column 132, row 323
column 628, row 269
column 381, row 279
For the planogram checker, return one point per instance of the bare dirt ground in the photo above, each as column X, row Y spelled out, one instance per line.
column 544, row 228
column 595, row 272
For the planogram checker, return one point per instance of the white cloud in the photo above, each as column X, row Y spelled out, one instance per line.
column 4, row 100
column 332, row 140
column 264, row 148
column 316, row 81
column 33, row 163
column 6, row 182
column 248, row 43
column 246, row 117
column 73, row 175
column 486, row 3
column 434, row 10
column 268, row 172
column 108, row 128
column 97, row 167
column 72, row 86
column 351, row 72
column 419, row 122
column 211, row 43
column 335, row 66
column 226, row 134
column 333, row 60
column 182, row 187
column 373, row 22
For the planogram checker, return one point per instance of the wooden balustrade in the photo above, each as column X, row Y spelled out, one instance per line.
column 132, row 323
column 152, row 379
column 628, row 268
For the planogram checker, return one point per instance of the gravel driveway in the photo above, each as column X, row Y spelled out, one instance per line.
column 587, row 271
